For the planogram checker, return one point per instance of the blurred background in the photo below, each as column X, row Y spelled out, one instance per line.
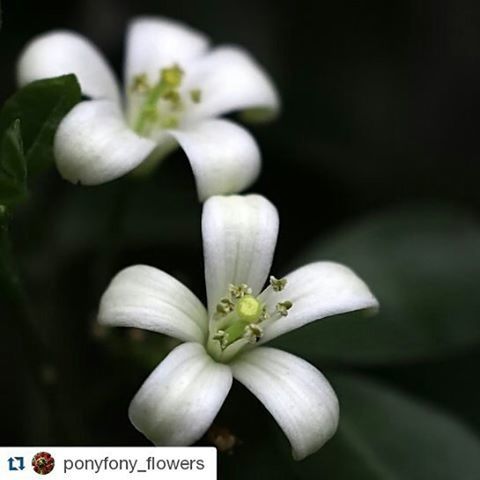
column 373, row 162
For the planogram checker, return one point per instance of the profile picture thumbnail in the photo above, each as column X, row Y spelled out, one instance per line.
column 43, row 463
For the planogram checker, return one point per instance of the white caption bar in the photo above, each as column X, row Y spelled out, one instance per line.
column 119, row 463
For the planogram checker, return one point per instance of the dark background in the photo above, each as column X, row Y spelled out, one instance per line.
column 380, row 114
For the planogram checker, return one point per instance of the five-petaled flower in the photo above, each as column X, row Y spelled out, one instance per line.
column 180, row 399
column 174, row 90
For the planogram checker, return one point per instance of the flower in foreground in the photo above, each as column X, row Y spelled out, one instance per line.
column 174, row 90
column 180, row 399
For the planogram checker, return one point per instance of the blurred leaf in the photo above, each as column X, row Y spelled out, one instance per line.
column 423, row 264
column 155, row 212
column 40, row 106
column 384, row 434
column 13, row 169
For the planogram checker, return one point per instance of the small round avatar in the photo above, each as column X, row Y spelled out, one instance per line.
column 43, row 463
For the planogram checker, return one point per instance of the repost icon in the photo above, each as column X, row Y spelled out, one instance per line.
column 16, row 464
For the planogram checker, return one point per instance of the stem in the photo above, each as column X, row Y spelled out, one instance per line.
column 35, row 350
column 111, row 244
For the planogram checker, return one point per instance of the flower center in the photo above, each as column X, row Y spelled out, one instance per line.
column 160, row 106
column 240, row 319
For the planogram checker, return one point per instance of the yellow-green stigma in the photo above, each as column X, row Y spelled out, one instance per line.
column 249, row 309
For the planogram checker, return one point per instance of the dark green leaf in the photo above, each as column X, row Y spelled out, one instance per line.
column 40, row 106
column 423, row 264
column 9, row 282
column 385, row 435
column 13, row 169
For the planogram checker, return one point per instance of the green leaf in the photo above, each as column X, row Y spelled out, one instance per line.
column 13, row 169
column 386, row 435
column 423, row 264
column 40, row 106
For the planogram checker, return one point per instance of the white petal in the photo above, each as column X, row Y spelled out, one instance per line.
column 145, row 297
column 239, row 237
column 180, row 399
column 61, row 53
column 296, row 394
column 94, row 145
column 154, row 43
column 317, row 290
column 224, row 156
column 229, row 79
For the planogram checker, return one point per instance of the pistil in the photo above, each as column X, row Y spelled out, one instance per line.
column 241, row 318
column 162, row 104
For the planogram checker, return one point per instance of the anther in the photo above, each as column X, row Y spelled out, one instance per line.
column 283, row 307
column 239, row 291
column 196, row 95
column 264, row 315
column 278, row 284
column 172, row 76
column 225, row 306
column 253, row 333
column 174, row 98
column 222, row 337
column 140, row 84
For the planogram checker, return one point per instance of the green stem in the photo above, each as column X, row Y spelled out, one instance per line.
column 35, row 350
column 111, row 243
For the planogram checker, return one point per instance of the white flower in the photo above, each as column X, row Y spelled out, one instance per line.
column 180, row 399
column 174, row 90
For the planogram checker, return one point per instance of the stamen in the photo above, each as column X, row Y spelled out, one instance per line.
column 253, row 333
column 172, row 76
column 196, row 95
column 140, row 84
column 225, row 306
column 278, row 284
column 174, row 98
column 239, row 291
column 222, row 337
column 264, row 315
column 283, row 307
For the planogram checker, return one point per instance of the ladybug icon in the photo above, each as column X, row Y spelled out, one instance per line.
column 43, row 463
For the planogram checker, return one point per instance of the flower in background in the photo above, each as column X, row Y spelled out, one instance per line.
column 180, row 399
column 175, row 88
